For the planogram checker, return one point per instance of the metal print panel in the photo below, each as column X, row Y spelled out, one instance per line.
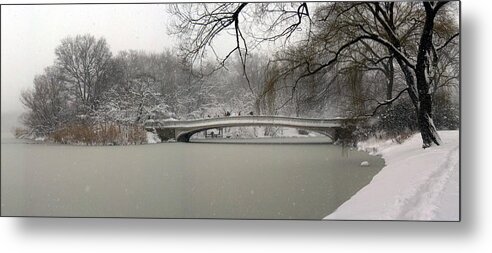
column 278, row 110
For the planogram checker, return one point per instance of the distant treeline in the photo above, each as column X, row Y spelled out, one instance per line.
column 88, row 89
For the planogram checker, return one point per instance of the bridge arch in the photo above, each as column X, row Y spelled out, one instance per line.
column 185, row 135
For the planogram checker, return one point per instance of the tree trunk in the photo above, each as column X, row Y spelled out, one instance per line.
column 428, row 130
column 391, row 79
column 423, row 74
column 422, row 102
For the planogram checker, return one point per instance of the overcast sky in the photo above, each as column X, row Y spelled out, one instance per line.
column 30, row 35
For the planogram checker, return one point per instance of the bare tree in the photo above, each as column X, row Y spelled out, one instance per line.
column 45, row 102
column 85, row 63
column 398, row 27
column 198, row 26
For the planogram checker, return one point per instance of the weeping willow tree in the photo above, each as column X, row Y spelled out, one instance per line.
column 266, row 99
column 356, row 91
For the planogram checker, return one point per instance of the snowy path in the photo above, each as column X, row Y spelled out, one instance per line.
column 415, row 184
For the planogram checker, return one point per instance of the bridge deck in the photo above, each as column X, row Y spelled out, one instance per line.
column 249, row 121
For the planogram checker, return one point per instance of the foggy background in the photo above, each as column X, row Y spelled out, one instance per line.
column 30, row 34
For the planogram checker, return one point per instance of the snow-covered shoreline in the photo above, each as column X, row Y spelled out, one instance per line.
column 415, row 184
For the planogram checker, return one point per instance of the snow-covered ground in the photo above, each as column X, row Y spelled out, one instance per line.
column 415, row 184
column 152, row 138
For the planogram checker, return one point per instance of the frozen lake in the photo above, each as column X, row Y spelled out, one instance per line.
column 264, row 180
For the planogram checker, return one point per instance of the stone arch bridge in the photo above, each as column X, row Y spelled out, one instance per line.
column 182, row 130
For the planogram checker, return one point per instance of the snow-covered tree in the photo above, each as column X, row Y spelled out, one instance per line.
column 47, row 102
column 85, row 64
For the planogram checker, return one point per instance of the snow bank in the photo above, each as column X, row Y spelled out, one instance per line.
column 415, row 184
column 293, row 132
column 153, row 138
column 40, row 138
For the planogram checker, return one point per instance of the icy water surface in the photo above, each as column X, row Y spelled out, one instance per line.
column 181, row 180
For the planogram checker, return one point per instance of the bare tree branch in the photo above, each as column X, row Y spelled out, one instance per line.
column 387, row 102
column 447, row 42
